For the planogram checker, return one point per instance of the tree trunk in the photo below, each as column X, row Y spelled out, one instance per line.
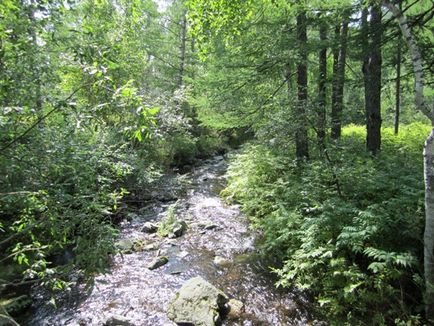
column 339, row 79
column 321, row 124
column 301, row 140
column 182, row 49
column 335, row 81
column 372, row 78
column 428, row 162
column 398, row 81
column 429, row 227
column 398, row 87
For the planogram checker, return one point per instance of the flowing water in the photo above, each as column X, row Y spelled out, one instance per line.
column 141, row 295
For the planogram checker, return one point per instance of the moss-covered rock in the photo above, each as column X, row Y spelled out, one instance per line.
column 197, row 303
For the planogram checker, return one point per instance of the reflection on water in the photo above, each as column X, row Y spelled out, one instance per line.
column 141, row 295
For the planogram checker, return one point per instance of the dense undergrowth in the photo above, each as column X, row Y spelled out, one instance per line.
column 63, row 196
column 346, row 227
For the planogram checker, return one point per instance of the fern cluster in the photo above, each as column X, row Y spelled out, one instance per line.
column 348, row 229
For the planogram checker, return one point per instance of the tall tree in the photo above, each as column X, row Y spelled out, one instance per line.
column 182, row 49
column 428, row 160
column 398, row 81
column 339, row 62
column 322, row 81
column 372, row 77
column 301, row 138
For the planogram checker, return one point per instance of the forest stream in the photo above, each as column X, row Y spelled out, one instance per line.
column 215, row 229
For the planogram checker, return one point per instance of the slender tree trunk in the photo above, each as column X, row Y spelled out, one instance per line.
column 428, row 161
column 301, row 140
column 339, row 80
column 428, row 154
column 182, row 48
column 321, row 124
column 335, row 81
column 398, row 86
column 341, row 72
column 372, row 77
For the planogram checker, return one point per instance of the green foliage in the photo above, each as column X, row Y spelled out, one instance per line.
column 166, row 226
column 88, row 116
column 73, row 194
column 171, row 226
column 348, row 230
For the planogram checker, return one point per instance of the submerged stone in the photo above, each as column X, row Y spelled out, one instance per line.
column 197, row 303
column 117, row 320
column 221, row 261
column 236, row 308
column 158, row 262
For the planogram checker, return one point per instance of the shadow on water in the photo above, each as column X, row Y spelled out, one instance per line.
column 141, row 295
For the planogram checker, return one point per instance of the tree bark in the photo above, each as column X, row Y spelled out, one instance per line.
column 398, row 87
column 182, row 49
column 335, row 81
column 429, row 227
column 428, row 161
column 322, row 91
column 301, row 140
column 339, row 79
column 372, row 79
column 416, row 59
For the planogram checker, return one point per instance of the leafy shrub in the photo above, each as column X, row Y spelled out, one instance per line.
column 347, row 230
column 66, row 199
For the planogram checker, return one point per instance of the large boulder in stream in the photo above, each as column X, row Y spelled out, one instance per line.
column 197, row 303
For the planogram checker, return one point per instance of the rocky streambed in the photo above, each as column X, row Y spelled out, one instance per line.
column 214, row 244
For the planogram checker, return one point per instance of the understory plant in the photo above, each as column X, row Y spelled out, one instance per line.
column 346, row 227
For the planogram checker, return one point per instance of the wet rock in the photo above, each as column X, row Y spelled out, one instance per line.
column 319, row 323
column 207, row 225
column 131, row 216
column 197, row 303
column 117, row 320
column 236, row 308
column 150, row 247
column 149, row 227
column 139, row 245
column 179, row 228
column 211, row 226
column 125, row 245
column 221, row 261
column 171, row 242
column 128, row 246
column 183, row 254
column 158, row 262
column 175, row 272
